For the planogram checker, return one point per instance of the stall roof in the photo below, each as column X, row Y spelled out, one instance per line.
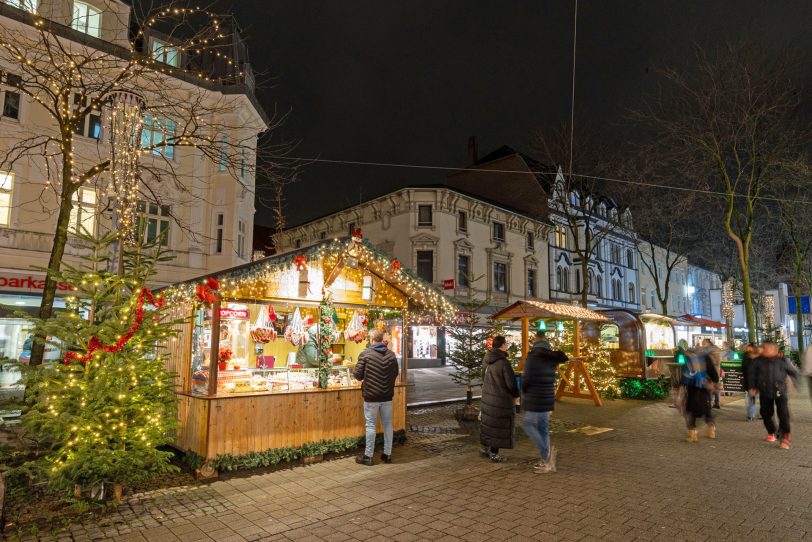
column 540, row 309
column 696, row 321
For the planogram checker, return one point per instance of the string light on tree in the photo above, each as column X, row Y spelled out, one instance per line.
column 126, row 124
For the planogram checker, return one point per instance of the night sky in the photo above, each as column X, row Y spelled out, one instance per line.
column 410, row 81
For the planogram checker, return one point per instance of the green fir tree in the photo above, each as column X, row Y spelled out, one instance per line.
column 328, row 334
column 467, row 348
column 103, row 411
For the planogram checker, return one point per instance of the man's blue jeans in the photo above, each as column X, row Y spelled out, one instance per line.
column 537, row 427
column 371, row 414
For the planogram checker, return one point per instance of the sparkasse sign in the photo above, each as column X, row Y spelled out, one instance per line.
column 15, row 282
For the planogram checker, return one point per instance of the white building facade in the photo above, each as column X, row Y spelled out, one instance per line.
column 204, row 217
column 451, row 239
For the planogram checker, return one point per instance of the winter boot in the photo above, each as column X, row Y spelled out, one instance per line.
column 711, row 431
column 692, row 435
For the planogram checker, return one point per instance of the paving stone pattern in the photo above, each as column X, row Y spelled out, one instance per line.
column 640, row 481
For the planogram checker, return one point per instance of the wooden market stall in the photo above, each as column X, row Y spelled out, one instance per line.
column 528, row 311
column 265, row 351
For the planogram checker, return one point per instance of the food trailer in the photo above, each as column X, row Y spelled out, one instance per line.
column 264, row 352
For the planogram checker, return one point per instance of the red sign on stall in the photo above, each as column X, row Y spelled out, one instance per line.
column 448, row 284
column 234, row 314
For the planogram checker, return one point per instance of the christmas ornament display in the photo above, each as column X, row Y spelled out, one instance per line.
column 296, row 332
column 95, row 343
column 356, row 328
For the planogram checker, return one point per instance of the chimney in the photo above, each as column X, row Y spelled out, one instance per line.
column 473, row 151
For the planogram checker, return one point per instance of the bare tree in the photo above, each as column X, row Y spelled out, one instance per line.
column 193, row 91
column 728, row 121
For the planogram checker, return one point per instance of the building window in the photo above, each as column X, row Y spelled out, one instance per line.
column 157, row 131
column 10, row 95
column 223, row 153
column 163, row 52
column 577, row 281
column 28, row 5
column 153, row 222
column 425, row 265
column 424, row 215
column 83, row 212
column 615, row 252
column 629, row 259
column 218, row 246
column 463, row 270
column 86, row 19
column 241, row 239
column 559, row 278
column 323, row 235
column 561, row 236
column 631, row 292
column 500, row 277
column 6, row 187
column 531, row 241
column 599, row 285
column 617, row 290
column 591, row 283
column 531, row 283
column 462, row 221
column 90, row 126
column 653, row 306
column 498, row 231
column 242, row 163
column 297, row 243
column 643, row 296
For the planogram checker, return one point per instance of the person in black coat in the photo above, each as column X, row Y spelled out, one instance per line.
column 538, row 388
column 751, row 353
column 699, row 377
column 499, row 395
column 768, row 376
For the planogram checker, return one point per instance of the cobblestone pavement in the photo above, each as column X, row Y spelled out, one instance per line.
column 640, row 481
column 435, row 384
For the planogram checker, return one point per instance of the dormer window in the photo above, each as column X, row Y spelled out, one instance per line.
column 28, row 5
column 86, row 19
column 163, row 52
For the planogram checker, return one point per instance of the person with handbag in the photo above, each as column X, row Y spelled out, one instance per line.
column 699, row 378
column 500, row 395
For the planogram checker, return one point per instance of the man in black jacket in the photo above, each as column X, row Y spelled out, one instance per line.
column 768, row 376
column 538, row 387
column 377, row 370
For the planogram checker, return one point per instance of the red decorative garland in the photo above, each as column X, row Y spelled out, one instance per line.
column 205, row 292
column 96, row 344
column 300, row 261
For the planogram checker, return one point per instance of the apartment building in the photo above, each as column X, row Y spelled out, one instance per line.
column 201, row 210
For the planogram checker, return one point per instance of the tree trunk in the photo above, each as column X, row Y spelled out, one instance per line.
column 584, row 282
column 749, row 312
column 46, row 308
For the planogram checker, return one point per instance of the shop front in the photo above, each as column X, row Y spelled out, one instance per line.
column 694, row 329
column 266, row 352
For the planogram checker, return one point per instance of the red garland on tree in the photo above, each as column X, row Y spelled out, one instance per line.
column 301, row 262
column 96, row 344
column 205, row 292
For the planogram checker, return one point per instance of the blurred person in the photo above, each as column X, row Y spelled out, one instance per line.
column 727, row 352
column 714, row 357
column 538, row 388
column 675, row 371
column 751, row 353
column 807, row 370
column 769, row 375
column 500, row 394
column 699, row 377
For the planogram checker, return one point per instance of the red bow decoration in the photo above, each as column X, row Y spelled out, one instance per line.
column 205, row 292
column 395, row 265
column 356, row 234
column 96, row 344
column 489, row 342
column 300, row 261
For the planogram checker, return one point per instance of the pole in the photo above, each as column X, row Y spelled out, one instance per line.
column 215, row 346
column 525, row 338
column 576, row 347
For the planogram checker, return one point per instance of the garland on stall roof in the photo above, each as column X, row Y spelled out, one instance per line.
column 96, row 344
column 327, row 334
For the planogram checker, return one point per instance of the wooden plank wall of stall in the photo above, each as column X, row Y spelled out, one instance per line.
column 240, row 425
column 178, row 348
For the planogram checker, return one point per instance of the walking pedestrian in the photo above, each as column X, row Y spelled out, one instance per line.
column 699, row 377
column 675, row 371
column 768, row 376
column 751, row 353
column 714, row 357
column 377, row 370
column 808, row 368
column 538, row 388
column 499, row 395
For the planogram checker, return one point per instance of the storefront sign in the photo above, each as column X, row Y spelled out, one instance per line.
column 733, row 379
column 13, row 282
column 233, row 314
column 448, row 284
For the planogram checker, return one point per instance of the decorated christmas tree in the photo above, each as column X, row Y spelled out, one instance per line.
column 467, row 347
column 104, row 409
column 597, row 361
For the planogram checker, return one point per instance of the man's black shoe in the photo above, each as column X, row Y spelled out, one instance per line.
column 386, row 458
column 364, row 460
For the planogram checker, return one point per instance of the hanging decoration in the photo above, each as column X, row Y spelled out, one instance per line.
column 356, row 327
column 144, row 296
column 768, row 312
column 328, row 334
column 296, row 332
column 394, row 266
column 205, row 293
column 263, row 332
column 357, row 235
column 727, row 301
column 126, row 124
column 300, row 261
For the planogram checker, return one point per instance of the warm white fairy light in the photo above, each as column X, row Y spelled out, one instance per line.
column 126, row 124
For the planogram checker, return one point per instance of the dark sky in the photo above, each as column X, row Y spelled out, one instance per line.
column 409, row 81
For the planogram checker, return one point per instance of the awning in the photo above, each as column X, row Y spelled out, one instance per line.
column 696, row 321
column 536, row 310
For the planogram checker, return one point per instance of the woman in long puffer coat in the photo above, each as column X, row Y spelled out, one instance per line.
column 500, row 394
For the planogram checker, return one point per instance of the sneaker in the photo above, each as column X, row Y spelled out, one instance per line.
column 542, row 468
column 784, row 444
column 386, row 458
column 496, row 458
column 750, row 418
column 770, row 438
column 716, row 405
column 552, row 461
column 484, row 452
column 364, row 460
